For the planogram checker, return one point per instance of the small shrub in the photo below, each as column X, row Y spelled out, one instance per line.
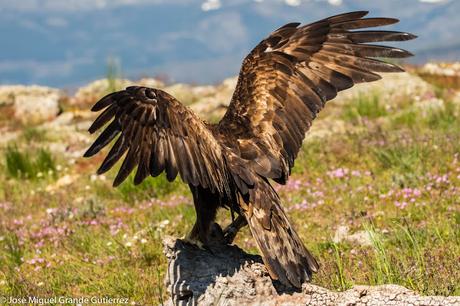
column 44, row 161
column 18, row 164
column 23, row 165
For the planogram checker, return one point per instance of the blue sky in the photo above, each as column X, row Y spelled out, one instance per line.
column 67, row 43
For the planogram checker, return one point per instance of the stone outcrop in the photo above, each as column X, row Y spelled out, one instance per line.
column 31, row 104
column 226, row 275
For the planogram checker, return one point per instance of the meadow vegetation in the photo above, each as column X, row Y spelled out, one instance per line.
column 376, row 203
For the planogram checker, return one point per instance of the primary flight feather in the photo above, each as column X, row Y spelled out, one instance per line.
column 283, row 83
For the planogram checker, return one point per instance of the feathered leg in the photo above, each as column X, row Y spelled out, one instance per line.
column 206, row 205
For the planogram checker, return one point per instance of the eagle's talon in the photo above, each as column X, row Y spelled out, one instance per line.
column 216, row 234
column 230, row 234
column 233, row 229
column 194, row 242
column 207, row 248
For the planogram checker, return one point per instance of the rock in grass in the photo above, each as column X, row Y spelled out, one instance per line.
column 226, row 275
column 342, row 233
column 32, row 104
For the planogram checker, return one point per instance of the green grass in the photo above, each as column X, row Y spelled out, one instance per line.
column 155, row 187
column 407, row 161
column 33, row 134
column 384, row 270
column 368, row 106
column 444, row 118
column 341, row 282
column 28, row 165
column 407, row 119
column 393, row 175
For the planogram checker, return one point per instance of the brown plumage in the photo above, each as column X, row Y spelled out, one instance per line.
column 283, row 83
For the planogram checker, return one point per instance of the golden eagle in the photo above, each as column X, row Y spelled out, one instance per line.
column 283, row 83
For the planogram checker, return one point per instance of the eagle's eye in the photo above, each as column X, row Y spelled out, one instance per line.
column 150, row 94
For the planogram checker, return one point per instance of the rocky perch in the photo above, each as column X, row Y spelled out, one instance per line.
column 226, row 275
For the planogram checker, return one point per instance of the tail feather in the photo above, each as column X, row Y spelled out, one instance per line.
column 284, row 254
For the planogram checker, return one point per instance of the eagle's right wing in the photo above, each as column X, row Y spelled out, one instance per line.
column 159, row 134
column 288, row 77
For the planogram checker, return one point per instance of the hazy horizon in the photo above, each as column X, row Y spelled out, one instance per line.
column 52, row 43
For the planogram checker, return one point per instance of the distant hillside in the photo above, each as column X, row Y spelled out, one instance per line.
column 66, row 45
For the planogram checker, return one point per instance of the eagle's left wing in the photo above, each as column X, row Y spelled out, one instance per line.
column 157, row 134
column 286, row 80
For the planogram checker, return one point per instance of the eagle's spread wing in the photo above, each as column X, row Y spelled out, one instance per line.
column 159, row 134
column 286, row 80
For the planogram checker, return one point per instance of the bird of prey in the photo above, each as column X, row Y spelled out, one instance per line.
column 282, row 85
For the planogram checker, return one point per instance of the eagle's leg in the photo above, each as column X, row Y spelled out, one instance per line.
column 193, row 238
column 206, row 205
column 231, row 230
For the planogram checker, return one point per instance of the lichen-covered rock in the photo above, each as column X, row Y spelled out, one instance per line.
column 32, row 104
column 225, row 275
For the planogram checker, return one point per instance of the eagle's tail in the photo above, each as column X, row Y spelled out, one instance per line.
column 284, row 254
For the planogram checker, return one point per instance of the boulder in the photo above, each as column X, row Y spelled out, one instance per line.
column 226, row 275
column 32, row 104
